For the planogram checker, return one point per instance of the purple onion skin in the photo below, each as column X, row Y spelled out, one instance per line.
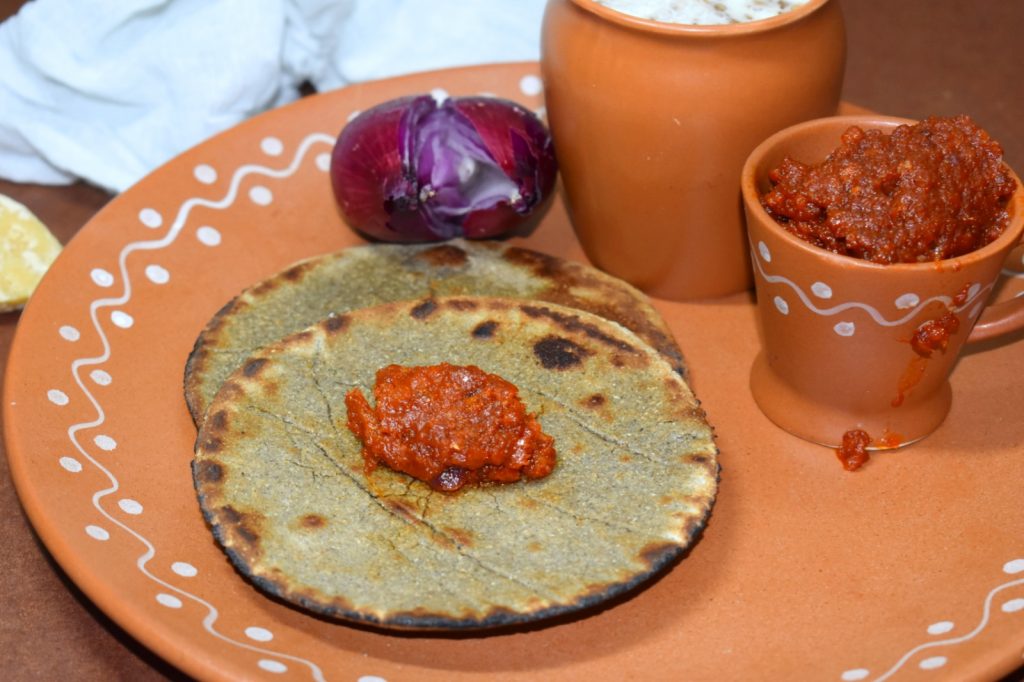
column 413, row 170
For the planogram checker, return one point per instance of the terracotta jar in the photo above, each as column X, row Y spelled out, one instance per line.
column 652, row 122
column 836, row 331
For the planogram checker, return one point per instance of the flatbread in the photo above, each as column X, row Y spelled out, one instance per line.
column 364, row 276
column 281, row 480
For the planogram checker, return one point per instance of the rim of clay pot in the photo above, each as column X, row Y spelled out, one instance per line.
column 695, row 30
column 751, row 196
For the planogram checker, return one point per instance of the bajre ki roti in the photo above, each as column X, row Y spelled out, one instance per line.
column 281, row 479
column 364, row 276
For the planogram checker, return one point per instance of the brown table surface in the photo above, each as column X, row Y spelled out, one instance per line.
column 908, row 58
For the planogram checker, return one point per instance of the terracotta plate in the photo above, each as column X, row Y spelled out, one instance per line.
column 912, row 568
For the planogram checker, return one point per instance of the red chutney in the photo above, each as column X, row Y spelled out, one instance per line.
column 853, row 452
column 934, row 335
column 934, row 190
column 449, row 425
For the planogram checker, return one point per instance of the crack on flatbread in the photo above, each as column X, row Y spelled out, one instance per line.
column 408, row 493
column 315, row 365
column 462, row 551
column 583, row 517
column 313, row 439
column 578, row 419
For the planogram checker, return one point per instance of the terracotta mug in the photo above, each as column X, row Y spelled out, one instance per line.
column 652, row 121
column 836, row 331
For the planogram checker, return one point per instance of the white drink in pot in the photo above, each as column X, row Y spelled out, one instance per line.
column 703, row 12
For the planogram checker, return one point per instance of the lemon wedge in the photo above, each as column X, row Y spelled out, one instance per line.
column 26, row 251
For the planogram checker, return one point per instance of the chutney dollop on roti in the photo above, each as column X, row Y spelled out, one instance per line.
column 281, row 479
column 367, row 275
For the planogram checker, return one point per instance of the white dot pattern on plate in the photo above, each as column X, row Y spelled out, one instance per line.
column 70, row 464
column 907, row 301
column 151, row 218
column 105, row 443
column 855, row 674
column 207, row 235
column 766, row 254
column 1013, row 606
column 933, row 663
column 100, row 377
column 782, row 305
column 323, row 162
column 821, row 290
column 97, row 533
column 531, row 85
column 205, row 174
column 168, row 600
column 261, row 195
column 353, row 115
column 272, row 146
column 184, row 569
column 129, row 506
column 940, row 628
column 259, row 634
column 57, row 397
column 1015, row 566
column 157, row 274
column 439, row 94
column 69, row 333
column 272, row 666
column 122, row 319
column 845, row 328
column 371, row 678
column 101, row 277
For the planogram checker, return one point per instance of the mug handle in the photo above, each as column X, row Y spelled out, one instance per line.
column 998, row 319
column 1003, row 317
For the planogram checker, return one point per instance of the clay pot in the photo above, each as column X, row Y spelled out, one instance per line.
column 652, row 122
column 836, row 353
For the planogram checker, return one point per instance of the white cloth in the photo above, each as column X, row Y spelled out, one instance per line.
column 107, row 90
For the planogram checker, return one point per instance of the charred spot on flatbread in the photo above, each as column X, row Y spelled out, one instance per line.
column 556, row 352
column 423, row 310
column 296, row 272
column 253, row 367
column 485, row 330
column 208, row 472
column 335, row 323
column 462, row 303
column 572, row 322
column 312, row 521
column 443, row 256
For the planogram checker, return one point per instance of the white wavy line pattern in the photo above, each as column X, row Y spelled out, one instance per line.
column 79, row 364
column 1016, row 566
column 976, row 294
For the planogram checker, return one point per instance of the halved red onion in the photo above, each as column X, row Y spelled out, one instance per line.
column 412, row 169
